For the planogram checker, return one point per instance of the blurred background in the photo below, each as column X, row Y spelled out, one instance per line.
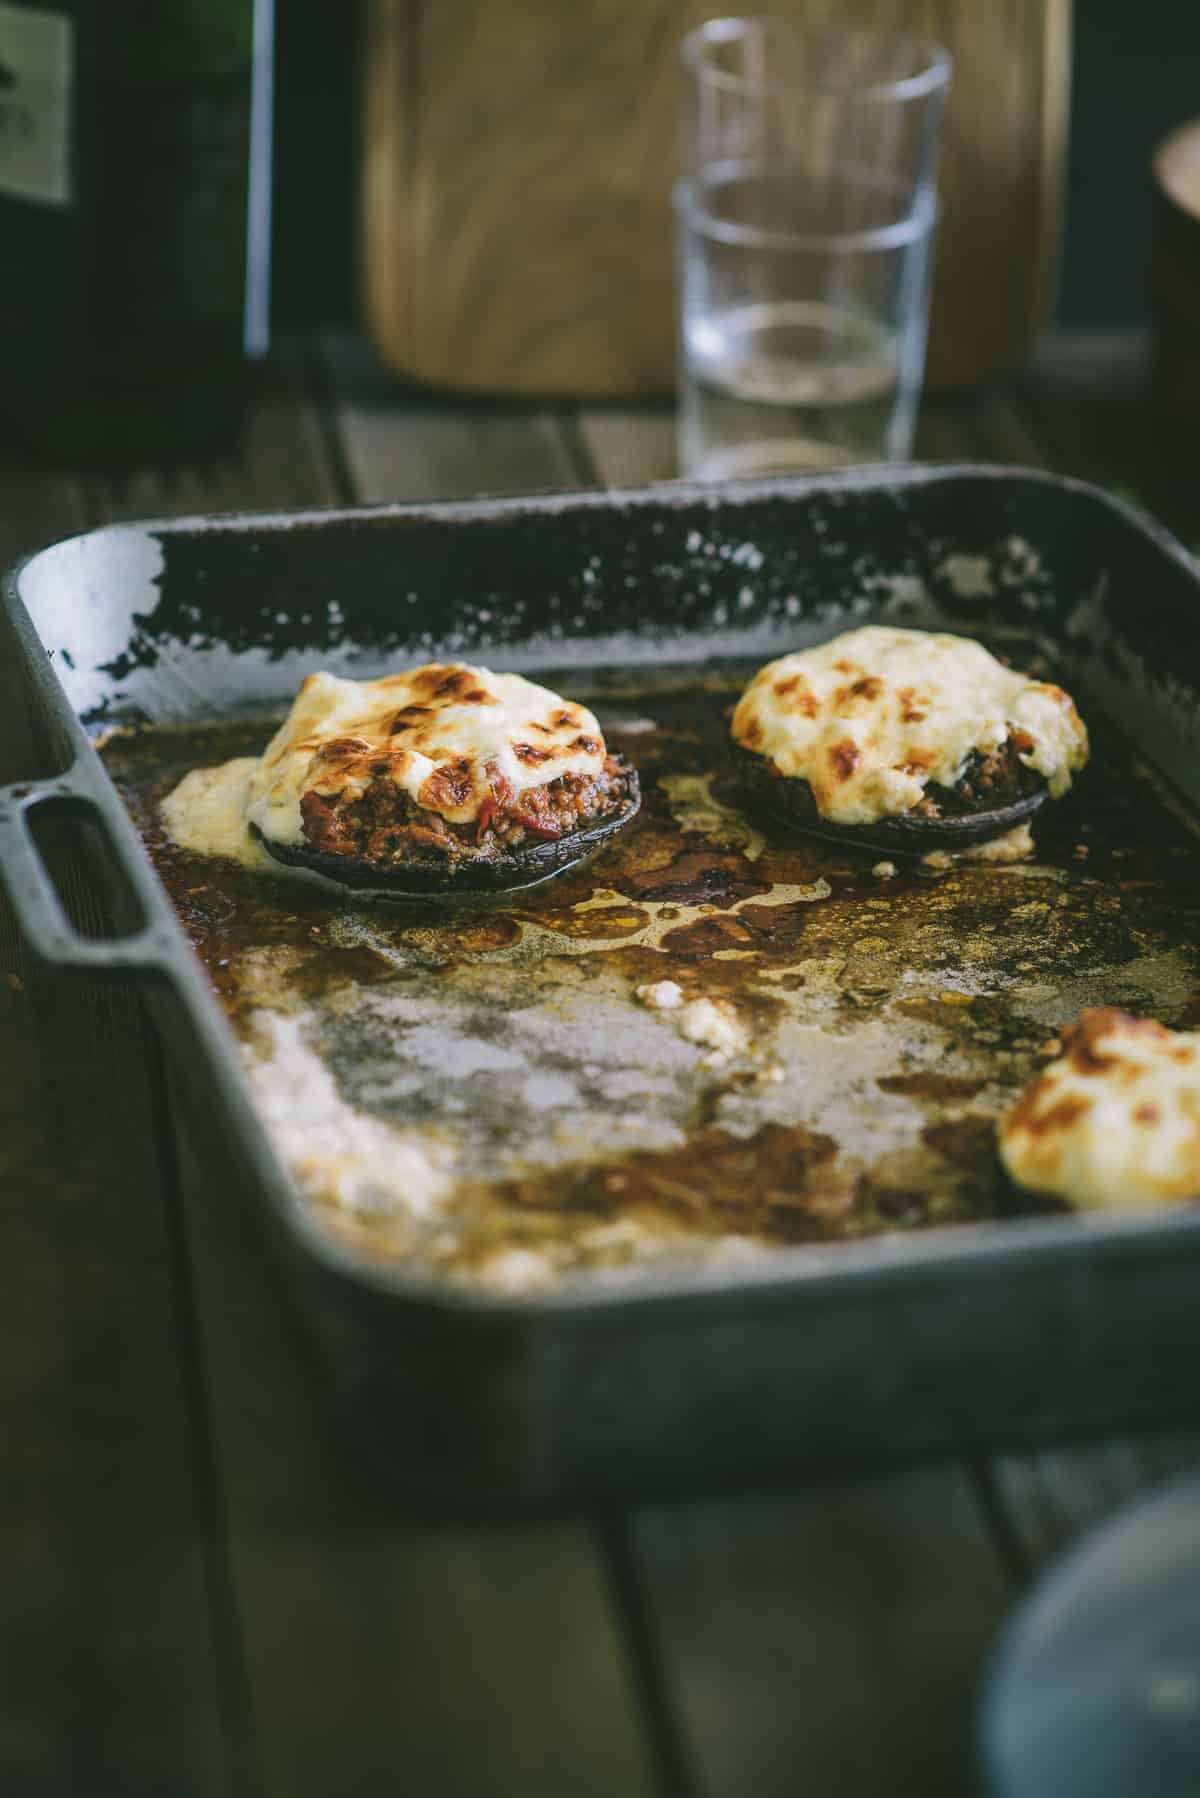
column 1135, row 74
column 485, row 191
column 185, row 1527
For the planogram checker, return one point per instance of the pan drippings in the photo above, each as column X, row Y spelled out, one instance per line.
column 484, row 1092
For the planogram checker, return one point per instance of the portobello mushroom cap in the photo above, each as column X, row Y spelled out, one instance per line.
column 789, row 800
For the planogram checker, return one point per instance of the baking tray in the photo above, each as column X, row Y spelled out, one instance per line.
column 999, row 1333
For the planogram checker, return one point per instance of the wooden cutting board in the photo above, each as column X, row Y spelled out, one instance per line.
column 519, row 156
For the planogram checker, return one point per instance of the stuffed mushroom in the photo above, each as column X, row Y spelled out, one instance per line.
column 444, row 779
column 904, row 740
column 1112, row 1121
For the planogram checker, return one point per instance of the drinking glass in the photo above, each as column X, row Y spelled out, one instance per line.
column 806, row 216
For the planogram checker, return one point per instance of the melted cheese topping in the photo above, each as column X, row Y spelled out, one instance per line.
column 442, row 732
column 1115, row 1121
column 870, row 719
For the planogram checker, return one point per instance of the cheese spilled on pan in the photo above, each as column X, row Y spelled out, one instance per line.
column 1015, row 845
column 873, row 717
column 337, row 1153
column 1115, row 1121
column 441, row 732
column 206, row 814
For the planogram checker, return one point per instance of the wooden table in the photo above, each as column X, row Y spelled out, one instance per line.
column 203, row 1594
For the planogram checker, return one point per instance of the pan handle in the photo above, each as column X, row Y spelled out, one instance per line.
column 35, row 899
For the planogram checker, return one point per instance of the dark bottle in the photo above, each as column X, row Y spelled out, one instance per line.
column 135, row 161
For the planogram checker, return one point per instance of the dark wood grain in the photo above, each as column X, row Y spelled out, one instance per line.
column 1087, row 402
column 831, row 1636
column 1050, row 1498
column 119, row 1636
column 383, row 1653
column 400, row 443
column 829, row 1639
column 633, row 444
column 777, row 1620
column 109, row 1643
column 410, row 1631
column 387, row 1653
column 282, row 462
column 628, row 445
column 37, row 505
column 981, row 425
column 203, row 1592
column 1083, row 409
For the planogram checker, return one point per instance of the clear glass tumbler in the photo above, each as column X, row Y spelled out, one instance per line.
column 806, row 217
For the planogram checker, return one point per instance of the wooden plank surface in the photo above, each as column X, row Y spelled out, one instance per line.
column 1086, row 399
column 1050, row 1498
column 777, row 1619
column 408, row 1629
column 1082, row 409
column 383, row 1652
column 830, row 1638
column 203, row 1593
column 399, row 443
column 36, row 506
column 628, row 445
column 283, row 461
column 826, row 1640
column 109, row 1641
column 981, row 425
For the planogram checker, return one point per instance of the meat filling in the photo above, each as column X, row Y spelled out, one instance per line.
column 386, row 827
column 989, row 782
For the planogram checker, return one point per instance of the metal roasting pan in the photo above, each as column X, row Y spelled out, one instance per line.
column 1000, row 1333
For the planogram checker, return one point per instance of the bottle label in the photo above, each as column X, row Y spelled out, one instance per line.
column 36, row 58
